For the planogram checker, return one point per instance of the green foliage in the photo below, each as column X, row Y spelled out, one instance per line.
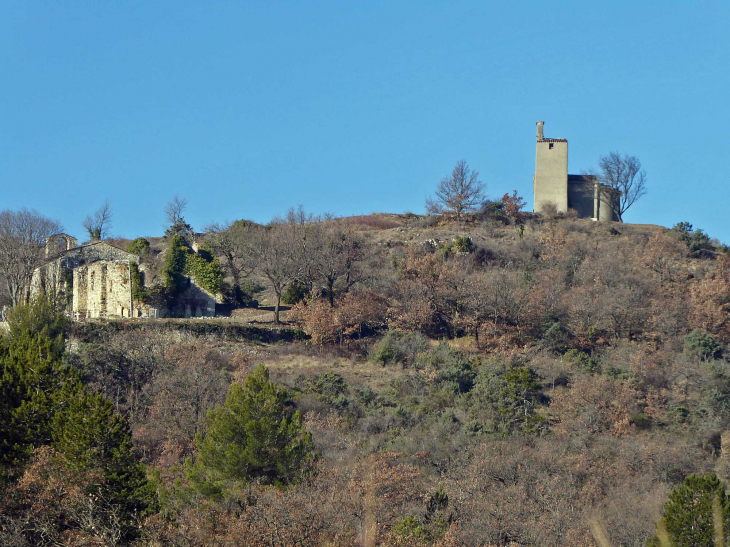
column 251, row 437
column 139, row 293
column 689, row 516
column 181, row 262
column 328, row 386
column 33, row 381
column 399, row 347
column 205, row 269
column 409, row 528
column 90, row 436
column 294, row 293
column 581, row 360
column 174, row 268
column 523, row 393
column 698, row 242
column 43, row 402
column 487, row 400
column 45, row 317
column 702, row 344
column 139, row 246
column 463, row 244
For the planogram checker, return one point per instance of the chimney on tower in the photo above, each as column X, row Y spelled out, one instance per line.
column 539, row 130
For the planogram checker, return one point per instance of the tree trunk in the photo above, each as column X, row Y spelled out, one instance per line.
column 276, row 309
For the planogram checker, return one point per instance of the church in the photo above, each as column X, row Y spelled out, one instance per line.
column 553, row 185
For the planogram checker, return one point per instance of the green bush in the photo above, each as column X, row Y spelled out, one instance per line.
column 702, row 344
column 698, row 242
column 294, row 293
column 399, row 347
column 327, row 386
column 581, row 360
column 174, row 269
column 139, row 246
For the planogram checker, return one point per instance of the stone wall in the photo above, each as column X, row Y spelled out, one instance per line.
column 101, row 289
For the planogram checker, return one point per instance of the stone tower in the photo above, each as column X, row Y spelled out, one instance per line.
column 550, row 184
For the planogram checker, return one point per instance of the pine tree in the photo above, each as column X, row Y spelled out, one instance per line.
column 251, row 437
column 34, row 382
column 692, row 511
column 91, row 437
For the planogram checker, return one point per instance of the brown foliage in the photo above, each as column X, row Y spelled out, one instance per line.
column 352, row 314
column 50, row 505
column 595, row 404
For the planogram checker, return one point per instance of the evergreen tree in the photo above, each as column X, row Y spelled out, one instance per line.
column 34, row 382
column 251, row 437
column 90, row 436
column 523, row 393
column 689, row 515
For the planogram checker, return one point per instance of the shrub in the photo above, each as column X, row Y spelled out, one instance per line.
column 294, row 294
column 173, row 270
column 139, row 246
column 701, row 344
column 463, row 244
column 698, row 242
column 328, row 386
column 399, row 347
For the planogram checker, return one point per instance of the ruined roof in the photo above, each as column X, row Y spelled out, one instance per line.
column 553, row 140
column 591, row 179
column 94, row 243
column 582, row 178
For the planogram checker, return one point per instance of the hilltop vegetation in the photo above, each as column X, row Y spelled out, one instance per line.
column 501, row 379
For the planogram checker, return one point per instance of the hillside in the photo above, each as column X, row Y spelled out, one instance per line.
column 464, row 383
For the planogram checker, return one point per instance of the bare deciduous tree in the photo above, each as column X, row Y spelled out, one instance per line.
column 174, row 210
column 458, row 193
column 622, row 173
column 338, row 254
column 275, row 250
column 233, row 241
column 23, row 236
column 99, row 224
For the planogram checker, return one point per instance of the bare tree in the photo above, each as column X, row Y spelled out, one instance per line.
column 174, row 214
column 100, row 224
column 458, row 193
column 338, row 253
column 234, row 242
column 23, row 236
column 623, row 174
column 275, row 249
column 174, row 210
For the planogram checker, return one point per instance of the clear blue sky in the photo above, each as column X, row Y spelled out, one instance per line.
column 247, row 108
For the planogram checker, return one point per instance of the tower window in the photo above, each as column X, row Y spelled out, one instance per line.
column 551, row 145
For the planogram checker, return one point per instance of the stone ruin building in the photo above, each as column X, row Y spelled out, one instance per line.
column 553, row 185
column 95, row 280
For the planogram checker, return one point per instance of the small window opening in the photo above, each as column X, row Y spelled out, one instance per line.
column 551, row 145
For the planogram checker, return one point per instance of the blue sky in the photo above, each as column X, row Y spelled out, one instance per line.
column 247, row 108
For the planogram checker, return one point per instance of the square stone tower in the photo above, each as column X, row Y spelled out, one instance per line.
column 550, row 184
